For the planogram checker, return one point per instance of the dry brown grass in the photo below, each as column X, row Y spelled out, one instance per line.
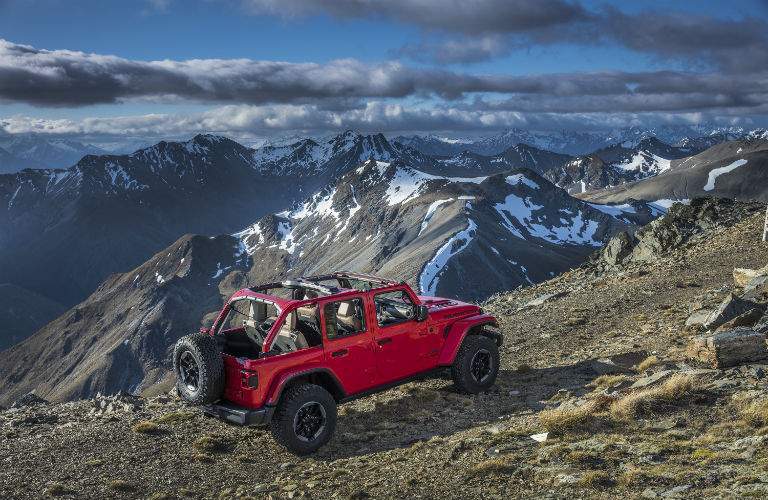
column 56, row 489
column 596, row 479
column 755, row 413
column 572, row 418
column 211, row 443
column 648, row 362
column 120, row 485
column 653, row 399
column 145, row 427
column 493, row 467
column 606, row 381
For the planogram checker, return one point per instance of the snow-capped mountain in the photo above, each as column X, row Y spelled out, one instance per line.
column 518, row 156
column 734, row 169
column 109, row 213
column 34, row 151
column 455, row 236
column 617, row 164
column 698, row 137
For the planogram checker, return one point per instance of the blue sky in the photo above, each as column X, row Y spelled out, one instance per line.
column 536, row 45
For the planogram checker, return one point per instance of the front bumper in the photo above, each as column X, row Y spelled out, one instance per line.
column 239, row 415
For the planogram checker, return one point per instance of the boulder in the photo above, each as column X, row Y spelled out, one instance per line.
column 742, row 277
column 731, row 307
column 729, row 348
column 617, row 249
column 749, row 318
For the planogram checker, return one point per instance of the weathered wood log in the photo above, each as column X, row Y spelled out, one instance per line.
column 730, row 348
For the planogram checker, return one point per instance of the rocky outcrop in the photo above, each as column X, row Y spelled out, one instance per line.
column 682, row 225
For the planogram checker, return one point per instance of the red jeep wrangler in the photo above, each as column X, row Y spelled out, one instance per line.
column 287, row 353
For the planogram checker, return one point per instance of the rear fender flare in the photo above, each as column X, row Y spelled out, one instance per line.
column 284, row 380
column 459, row 330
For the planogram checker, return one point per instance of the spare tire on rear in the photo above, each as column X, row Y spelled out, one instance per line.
column 199, row 368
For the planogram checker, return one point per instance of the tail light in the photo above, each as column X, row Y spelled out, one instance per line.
column 249, row 380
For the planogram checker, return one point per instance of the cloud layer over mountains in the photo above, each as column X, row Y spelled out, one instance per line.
column 716, row 73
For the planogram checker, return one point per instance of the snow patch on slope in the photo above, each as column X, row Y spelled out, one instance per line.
column 717, row 172
column 430, row 275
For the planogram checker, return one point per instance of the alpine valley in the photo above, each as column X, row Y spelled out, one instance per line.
column 139, row 247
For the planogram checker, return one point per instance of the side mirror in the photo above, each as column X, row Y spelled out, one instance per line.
column 422, row 312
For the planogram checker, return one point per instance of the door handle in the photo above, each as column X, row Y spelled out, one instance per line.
column 339, row 353
column 384, row 341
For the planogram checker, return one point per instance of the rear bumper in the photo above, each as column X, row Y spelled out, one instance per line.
column 239, row 415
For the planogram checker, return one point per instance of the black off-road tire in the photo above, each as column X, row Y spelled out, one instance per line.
column 206, row 353
column 294, row 399
column 461, row 371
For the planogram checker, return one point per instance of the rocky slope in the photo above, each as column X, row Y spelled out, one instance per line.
column 119, row 338
column 594, row 370
column 734, row 169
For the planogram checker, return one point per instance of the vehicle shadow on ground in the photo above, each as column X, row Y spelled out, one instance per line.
column 420, row 410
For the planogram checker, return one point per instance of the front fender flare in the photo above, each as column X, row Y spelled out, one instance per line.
column 457, row 332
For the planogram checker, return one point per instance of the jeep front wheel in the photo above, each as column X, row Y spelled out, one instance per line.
column 199, row 369
column 305, row 419
column 476, row 365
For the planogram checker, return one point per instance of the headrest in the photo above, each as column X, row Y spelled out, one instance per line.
column 345, row 309
column 310, row 294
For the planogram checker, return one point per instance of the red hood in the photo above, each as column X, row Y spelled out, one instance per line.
column 448, row 308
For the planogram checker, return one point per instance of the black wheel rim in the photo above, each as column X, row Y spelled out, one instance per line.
column 481, row 366
column 189, row 372
column 309, row 421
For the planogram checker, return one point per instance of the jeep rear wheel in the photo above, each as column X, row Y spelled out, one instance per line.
column 476, row 365
column 199, row 369
column 305, row 419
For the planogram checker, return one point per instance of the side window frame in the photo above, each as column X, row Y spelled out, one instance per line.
column 324, row 318
column 402, row 291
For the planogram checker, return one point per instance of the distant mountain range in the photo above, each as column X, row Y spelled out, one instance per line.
column 22, row 151
column 575, row 143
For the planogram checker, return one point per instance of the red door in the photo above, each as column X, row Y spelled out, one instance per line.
column 349, row 352
column 404, row 346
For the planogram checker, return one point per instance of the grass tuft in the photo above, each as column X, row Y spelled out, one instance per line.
column 653, row 399
column 211, row 443
column 606, row 381
column 573, row 418
column 493, row 467
column 146, row 427
column 756, row 413
column 647, row 363
column 120, row 485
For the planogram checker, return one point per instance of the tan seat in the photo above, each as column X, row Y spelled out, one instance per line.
column 346, row 316
column 288, row 339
